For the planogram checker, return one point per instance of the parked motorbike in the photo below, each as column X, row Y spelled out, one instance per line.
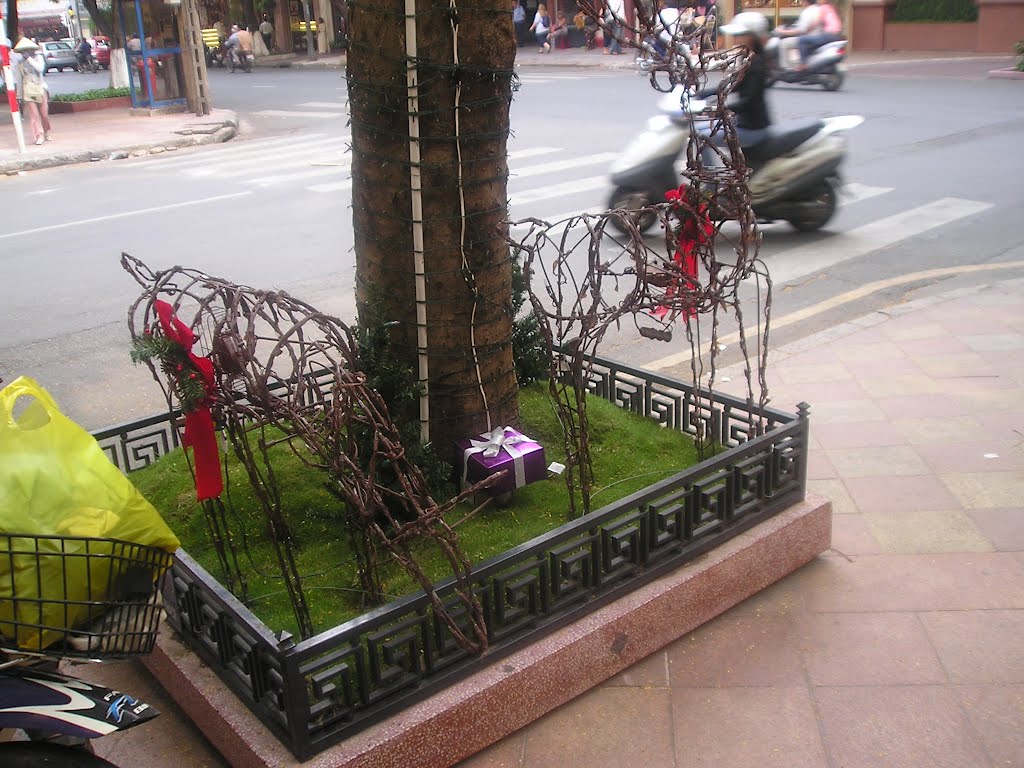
column 795, row 167
column 824, row 66
column 215, row 56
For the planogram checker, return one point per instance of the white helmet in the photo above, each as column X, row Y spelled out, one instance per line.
column 746, row 23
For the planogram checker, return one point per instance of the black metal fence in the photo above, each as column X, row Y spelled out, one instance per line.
column 317, row 692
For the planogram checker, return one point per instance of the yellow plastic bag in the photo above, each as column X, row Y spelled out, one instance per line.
column 55, row 480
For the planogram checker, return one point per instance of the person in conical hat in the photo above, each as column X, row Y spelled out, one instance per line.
column 32, row 91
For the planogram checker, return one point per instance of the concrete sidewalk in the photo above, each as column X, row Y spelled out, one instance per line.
column 106, row 134
column 901, row 647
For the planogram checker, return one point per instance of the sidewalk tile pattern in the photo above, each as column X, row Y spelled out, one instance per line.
column 903, row 645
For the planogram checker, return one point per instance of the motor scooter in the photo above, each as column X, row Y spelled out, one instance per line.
column 215, row 55
column 795, row 167
column 824, row 66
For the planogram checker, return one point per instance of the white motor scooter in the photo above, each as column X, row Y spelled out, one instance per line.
column 824, row 66
column 795, row 167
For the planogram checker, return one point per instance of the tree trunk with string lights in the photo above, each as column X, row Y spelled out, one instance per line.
column 463, row 59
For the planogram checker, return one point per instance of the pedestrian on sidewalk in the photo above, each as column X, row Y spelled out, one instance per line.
column 541, row 26
column 322, row 46
column 33, row 91
column 614, row 18
column 267, row 30
column 519, row 22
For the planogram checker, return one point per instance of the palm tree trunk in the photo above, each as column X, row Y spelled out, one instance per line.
column 463, row 75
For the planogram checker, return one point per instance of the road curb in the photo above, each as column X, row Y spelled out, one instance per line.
column 216, row 132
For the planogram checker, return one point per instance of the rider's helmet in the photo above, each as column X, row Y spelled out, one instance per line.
column 746, row 23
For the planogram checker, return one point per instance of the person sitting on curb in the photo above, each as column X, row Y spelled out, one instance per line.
column 559, row 30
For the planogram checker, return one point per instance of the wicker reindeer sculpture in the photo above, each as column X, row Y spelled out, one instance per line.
column 281, row 372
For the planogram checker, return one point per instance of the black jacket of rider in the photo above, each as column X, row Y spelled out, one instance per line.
column 748, row 102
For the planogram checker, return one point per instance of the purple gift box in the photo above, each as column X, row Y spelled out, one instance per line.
column 504, row 448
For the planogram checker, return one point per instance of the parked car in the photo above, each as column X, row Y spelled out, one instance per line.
column 59, row 56
column 101, row 51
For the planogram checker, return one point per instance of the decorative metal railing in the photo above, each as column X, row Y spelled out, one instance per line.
column 317, row 692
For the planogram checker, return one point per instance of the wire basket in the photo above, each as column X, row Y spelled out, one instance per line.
column 79, row 597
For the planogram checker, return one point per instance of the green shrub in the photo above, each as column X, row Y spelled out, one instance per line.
column 99, row 93
column 935, row 10
column 1019, row 48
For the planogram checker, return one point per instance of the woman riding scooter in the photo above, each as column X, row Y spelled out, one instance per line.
column 749, row 30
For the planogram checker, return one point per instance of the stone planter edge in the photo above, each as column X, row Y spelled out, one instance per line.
column 522, row 687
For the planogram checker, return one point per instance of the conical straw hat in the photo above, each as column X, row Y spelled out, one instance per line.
column 26, row 45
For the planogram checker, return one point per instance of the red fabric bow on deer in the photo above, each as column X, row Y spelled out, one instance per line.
column 199, row 435
column 696, row 229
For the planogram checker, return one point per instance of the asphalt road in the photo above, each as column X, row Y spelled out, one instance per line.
column 935, row 194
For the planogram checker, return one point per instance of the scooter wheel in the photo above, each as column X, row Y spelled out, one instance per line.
column 833, row 81
column 633, row 203
column 818, row 208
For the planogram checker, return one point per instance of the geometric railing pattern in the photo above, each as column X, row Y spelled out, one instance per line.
column 315, row 693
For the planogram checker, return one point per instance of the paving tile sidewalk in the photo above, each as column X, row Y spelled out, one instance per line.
column 87, row 136
column 900, row 647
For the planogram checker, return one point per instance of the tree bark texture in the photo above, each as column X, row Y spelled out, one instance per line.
column 463, row 117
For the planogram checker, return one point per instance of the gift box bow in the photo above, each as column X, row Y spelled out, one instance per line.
column 492, row 443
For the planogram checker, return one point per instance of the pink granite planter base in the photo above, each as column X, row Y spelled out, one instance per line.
column 526, row 685
column 72, row 107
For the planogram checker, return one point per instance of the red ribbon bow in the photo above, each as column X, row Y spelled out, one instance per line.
column 199, row 435
column 696, row 229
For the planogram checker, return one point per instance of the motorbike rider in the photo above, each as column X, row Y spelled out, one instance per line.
column 84, row 53
column 831, row 31
column 239, row 43
column 749, row 30
column 808, row 24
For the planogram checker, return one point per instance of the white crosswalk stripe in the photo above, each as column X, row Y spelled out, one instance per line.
column 221, row 154
column 539, row 176
column 297, row 113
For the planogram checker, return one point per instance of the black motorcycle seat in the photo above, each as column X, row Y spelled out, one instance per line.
column 781, row 139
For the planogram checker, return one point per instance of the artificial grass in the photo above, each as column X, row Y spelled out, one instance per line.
column 629, row 453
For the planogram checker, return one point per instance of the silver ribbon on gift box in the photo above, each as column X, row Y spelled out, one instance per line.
column 491, row 444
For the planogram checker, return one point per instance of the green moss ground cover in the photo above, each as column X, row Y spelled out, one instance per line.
column 629, row 453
